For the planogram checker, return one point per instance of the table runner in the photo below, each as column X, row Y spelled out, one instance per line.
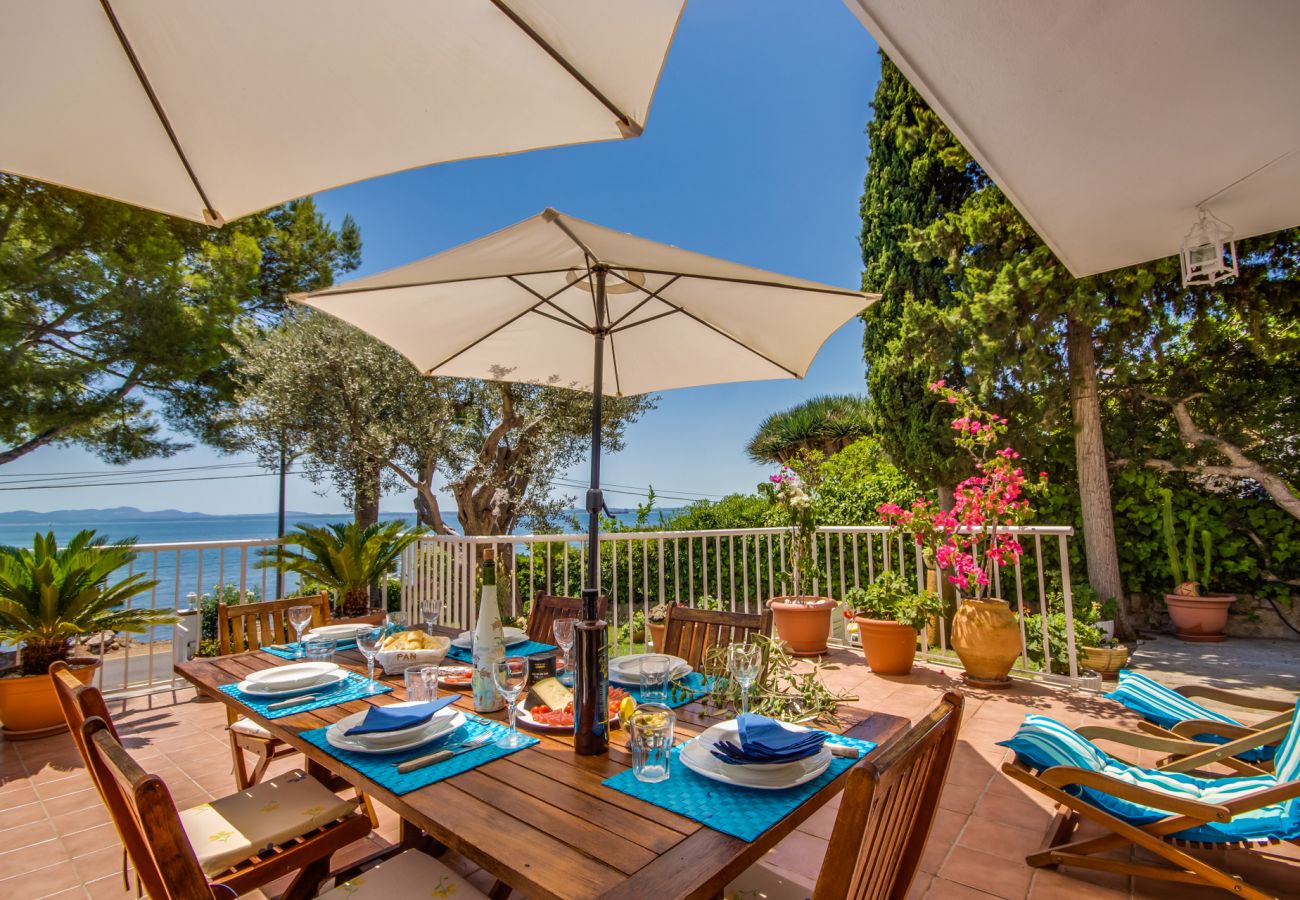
column 741, row 812
column 381, row 768
column 527, row 648
column 356, row 687
column 293, row 650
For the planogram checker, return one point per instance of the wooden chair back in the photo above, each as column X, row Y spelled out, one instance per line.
column 248, row 626
column 690, row 633
column 79, row 702
column 888, row 807
column 546, row 608
column 146, row 818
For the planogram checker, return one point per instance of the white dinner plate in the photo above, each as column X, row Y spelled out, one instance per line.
column 696, row 756
column 455, row 676
column 443, row 723
column 338, row 632
column 327, row 682
column 513, row 636
column 291, row 676
column 626, row 670
column 524, row 718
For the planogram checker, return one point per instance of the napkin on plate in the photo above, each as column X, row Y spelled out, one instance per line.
column 766, row 741
column 394, row 718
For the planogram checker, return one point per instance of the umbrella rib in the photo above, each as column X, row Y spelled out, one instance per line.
column 714, row 328
column 334, row 292
column 548, row 298
column 626, row 124
column 672, row 312
column 613, row 357
column 583, row 328
column 474, row 343
column 553, row 216
column 840, row 292
column 649, row 296
column 209, row 211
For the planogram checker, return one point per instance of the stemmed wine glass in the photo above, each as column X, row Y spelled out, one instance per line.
column 562, row 628
column 431, row 611
column 744, row 661
column 299, row 618
column 369, row 643
column 511, row 674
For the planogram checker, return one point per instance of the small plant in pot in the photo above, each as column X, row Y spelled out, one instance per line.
column 802, row 621
column 890, row 612
column 1198, row 617
column 657, row 623
column 50, row 596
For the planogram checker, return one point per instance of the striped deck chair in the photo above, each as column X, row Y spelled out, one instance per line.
column 1172, row 712
column 1166, row 813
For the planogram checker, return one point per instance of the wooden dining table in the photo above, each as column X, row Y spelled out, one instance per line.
column 540, row 820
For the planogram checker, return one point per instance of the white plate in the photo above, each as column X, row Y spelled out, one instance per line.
column 443, row 723
column 327, row 682
column 696, row 756
column 626, row 670
column 288, row 677
column 523, row 717
column 465, row 640
column 337, row 632
column 445, row 671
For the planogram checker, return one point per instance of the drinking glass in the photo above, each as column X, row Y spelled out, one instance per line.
column 655, row 670
column 368, row 643
column 744, row 662
column 563, row 631
column 319, row 651
column 431, row 612
column 650, row 740
column 421, row 683
column 395, row 622
column 511, row 674
column 300, row 618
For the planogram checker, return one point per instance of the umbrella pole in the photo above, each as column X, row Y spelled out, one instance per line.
column 591, row 635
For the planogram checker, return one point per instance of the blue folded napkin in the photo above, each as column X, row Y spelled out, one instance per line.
column 766, row 741
column 394, row 718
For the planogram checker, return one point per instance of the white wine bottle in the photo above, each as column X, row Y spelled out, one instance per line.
column 489, row 640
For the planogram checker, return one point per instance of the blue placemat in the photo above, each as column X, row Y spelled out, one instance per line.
column 740, row 812
column 294, row 651
column 355, row 687
column 695, row 683
column 527, row 648
column 381, row 768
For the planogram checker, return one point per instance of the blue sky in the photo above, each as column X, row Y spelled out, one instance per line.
column 754, row 151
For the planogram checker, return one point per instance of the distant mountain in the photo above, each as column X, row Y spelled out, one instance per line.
column 112, row 514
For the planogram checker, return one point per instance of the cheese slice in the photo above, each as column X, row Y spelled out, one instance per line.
column 551, row 692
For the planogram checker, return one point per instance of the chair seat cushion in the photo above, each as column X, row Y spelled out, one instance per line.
column 758, row 882
column 410, row 874
column 227, row 831
column 248, row 727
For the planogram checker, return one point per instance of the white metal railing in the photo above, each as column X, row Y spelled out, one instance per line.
column 739, row 568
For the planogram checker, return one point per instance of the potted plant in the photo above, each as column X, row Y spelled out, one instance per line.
column 970, row 540
column 802, row 621
column 344, row 558
column 1198, row 617
column 657, row 622
column 48, row 597
column 890, row 611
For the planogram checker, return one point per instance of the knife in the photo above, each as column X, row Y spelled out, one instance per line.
column 291, row 702
column 421, row 761
column 842, row 750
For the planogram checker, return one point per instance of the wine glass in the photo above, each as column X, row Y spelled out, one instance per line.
column 563, row 630
column 744, row 661
column 299, row 618
column 431, row 611
column 511, row 674
column 369, row 643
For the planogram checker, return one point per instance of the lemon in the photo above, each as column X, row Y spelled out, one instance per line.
column 626, row 709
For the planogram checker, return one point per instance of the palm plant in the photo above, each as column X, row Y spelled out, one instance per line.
column 825, row 424
column 49, row 595
column 345, row 558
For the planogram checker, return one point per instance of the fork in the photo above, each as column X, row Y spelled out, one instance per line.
column 445, row 753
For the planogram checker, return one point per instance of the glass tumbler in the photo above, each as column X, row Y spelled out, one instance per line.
column 654, row 673
column 650, row 741
column 319, row 651
column 421, row 683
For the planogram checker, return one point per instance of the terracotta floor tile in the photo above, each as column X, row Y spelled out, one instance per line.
column 999, row 839
column 99, row 863
column 44, row 882
column 942, row 889
column 19, row 861
column 1014, row 811
column 26, row 835
column 75, row 801
column 986, row 872
column 97, row 837
column 17, row 816
column 108, row 888
column 799, row 853
column 71, row 785
column 960, row 798
column 1074, row 884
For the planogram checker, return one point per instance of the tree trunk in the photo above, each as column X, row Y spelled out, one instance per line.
column 1094, row 479
column 356, row 602
column 365, row 510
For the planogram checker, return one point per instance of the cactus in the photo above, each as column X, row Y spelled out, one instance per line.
column 1188, row 576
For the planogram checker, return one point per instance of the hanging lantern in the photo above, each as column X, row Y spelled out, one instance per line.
column 1209, row 254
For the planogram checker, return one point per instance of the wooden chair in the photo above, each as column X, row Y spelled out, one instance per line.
column 546, row 608
column 690, row 633
column 251, row 626
column 884, row 820
column 178, row 857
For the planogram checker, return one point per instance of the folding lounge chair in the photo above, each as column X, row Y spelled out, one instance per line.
column 1166, row 813
column 1171, row 712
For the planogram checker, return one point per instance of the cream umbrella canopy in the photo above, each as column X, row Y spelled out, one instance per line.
column 558, row 301
column 213, row 110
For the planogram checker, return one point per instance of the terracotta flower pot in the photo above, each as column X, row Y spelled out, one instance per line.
column 1105, row 661
column 803, row 622
column 986, row 636
column 1199, row 619
column 28, row 706
column 657, row 630
column 888, row 646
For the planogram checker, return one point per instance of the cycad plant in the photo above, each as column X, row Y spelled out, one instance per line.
column 824, row 424
column 49, row 596
column 346, row 559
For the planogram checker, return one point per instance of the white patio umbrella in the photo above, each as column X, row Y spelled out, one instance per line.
column 214, row 110
column 557, row 301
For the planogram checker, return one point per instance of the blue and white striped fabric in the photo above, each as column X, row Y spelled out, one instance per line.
column 1042, row 743
column 1166, row 707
